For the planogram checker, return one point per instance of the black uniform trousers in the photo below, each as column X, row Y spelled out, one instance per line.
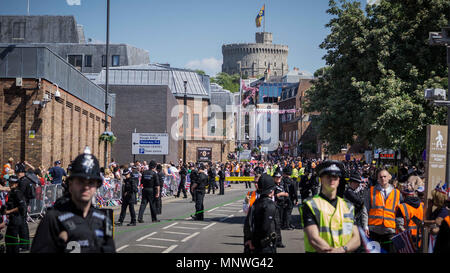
column 199, row 196
column 13, row 233
column 287, row 212
column 24, row 233
column 221, row 187
column 278, row 226
column 248, row 184
column 123, row 211
column 212, row 185
column 148, row 196
column 182, row 188
column 158, row 202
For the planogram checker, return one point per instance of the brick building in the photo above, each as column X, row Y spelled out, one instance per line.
column 298, row 134
column 49, row 110
column 198, row 111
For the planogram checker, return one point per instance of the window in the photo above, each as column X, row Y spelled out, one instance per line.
column 88, row 60
column 115, row 60
column 19, row 30
column 75, row 60
column 196, row 121
column 103, row 60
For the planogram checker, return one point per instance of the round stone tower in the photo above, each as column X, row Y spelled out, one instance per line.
column 254, row 59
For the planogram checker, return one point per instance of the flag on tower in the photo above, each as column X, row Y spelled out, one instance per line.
column 260, row 16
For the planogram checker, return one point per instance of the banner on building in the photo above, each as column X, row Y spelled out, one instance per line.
column 204, row 154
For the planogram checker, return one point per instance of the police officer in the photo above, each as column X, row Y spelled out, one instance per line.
column 182, row 186
column 291, row 187
column 329, row 219
column 260, row 226
column 16, row 209
column 281, row 198
column 194, row 177
column 73, row 224
column 130, row 188
column 150, row 192
column 160, row 173
column 221, row 174
column 212, row 178
column 199, row 190
column 27, row 189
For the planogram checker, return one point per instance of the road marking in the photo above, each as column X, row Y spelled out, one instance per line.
column 218, row 214
column 186, row 227
column 170, row 248
column 192, row 223
column 226, row 218
column 233, row 205
column 212, row 209
column 162, row 239
column 241, row 210
column 180, row 233
column 190, row 236
column 122, row 247
column 227, row 210
column 170, row 225
column 210, row 225
column 143, row 237
column 153, row 246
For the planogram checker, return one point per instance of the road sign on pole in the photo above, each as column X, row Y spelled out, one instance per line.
column 150, row 143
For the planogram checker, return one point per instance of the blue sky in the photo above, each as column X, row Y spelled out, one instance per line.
column 190, row 33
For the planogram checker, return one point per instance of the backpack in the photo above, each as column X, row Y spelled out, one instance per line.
column 30, row 191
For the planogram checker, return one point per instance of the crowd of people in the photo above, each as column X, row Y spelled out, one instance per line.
column 385, row 200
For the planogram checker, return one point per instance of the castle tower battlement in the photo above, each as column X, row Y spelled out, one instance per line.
column 253, row 59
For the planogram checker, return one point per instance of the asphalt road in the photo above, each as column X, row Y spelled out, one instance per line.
column 220, row 232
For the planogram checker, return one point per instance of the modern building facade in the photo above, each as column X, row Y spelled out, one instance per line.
column 49, row 110
column 256, row 59
column 198, row 98
column 66, row 38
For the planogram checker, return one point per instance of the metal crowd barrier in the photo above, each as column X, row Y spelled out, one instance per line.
column 45, row 197
column 109, row 194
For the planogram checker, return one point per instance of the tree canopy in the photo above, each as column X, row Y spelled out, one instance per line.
column 228, row 82
column 378, row 64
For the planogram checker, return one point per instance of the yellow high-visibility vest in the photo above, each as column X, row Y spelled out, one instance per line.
column 335, row 224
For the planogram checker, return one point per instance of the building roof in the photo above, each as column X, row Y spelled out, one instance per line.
column 26, row 61
column 158, row 74
column 220, row 96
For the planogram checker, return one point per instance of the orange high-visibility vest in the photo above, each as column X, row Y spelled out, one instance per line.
column 252, row 198
column 300, row 165
column 447, row 219
column 408, row 213
column 381, row 213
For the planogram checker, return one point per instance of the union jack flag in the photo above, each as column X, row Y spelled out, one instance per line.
column 403, row 242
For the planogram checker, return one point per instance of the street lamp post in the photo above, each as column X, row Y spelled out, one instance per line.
column 106, row 83
column 184, row 122
column 443, row 39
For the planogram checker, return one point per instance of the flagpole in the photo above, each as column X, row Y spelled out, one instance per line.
column 264, row 30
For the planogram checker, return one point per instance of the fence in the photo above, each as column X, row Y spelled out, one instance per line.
column 110, row 193
column 45, row 197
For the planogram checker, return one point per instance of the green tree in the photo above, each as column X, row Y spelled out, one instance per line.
column 229, row 82
column 378, row 64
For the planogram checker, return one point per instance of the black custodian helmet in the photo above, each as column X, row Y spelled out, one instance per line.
column 86, row 166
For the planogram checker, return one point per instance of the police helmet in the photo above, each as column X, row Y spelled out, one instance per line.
column 265, row 184
column 331, row 167
column 86, row 166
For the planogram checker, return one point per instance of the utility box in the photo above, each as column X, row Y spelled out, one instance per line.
column 435, row 94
